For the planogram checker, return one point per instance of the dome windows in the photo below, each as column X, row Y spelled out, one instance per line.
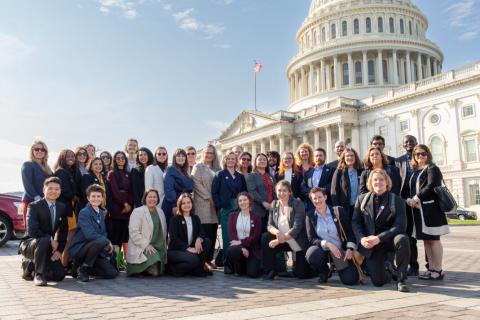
column 334, row 31
column 368, row 25
column 380, row 24
column 356, row 26
column 358, row 72
column 410, row 27
column 391, row 24
column 344, row 28
column 371, row 71
column 345, row 78
column 323, row 34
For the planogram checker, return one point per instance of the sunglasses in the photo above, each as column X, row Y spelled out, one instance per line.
column 191, row 153
column 421, row 154
column 161, row 154
column 120, row 158
column 246, row 159
column 39, row 149
column 84, row 154
column 106, row 157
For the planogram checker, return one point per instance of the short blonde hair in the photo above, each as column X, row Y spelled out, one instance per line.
column 381, row 172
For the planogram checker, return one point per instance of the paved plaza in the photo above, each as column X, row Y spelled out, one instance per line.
column 228, row 297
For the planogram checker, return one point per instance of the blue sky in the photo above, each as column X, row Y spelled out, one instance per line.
column 171, row 72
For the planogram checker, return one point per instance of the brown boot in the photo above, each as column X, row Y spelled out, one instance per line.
column 153, row 270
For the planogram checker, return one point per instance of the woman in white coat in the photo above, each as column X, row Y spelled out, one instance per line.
column 154, row 173
column 147, row 246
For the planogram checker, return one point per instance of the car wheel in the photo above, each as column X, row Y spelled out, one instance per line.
column 5, row 230
column 461, row 217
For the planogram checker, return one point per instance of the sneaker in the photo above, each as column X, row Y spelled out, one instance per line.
column 83, row 275
column 39, row 280
column 402, row 287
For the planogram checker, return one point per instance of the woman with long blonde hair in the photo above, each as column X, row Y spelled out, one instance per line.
column 34, row 173
column 304, row 157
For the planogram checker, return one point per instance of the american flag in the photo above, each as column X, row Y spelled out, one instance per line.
column 258, row 67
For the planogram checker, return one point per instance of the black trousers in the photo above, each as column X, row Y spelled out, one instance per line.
column 318, row 259
column 181, row 263
column 39, row 251
column 413, row 242
column 90, row 256
column 400, row 245
column 241, row 265
column 210, row 230
column 302, row 268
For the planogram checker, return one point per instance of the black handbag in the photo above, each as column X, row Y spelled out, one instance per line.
column 446, row 201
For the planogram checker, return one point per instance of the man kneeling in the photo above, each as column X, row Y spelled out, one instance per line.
column 91, row 250
column 47, row 231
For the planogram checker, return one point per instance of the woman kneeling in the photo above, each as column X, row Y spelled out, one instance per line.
column 147, row 247
column 331, row 238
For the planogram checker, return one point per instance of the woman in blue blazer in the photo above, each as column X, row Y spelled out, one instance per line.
column 91, row 249
column 176, row 182
column 226, row 185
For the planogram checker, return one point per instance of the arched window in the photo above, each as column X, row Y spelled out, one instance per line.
column 385, row 71
column 356, row 27
column 358, row 72
column 391, row 24
column 415, row 72
column 371, row 71
column 380, row 24
column 438, row 154
column 344, row 28
column 402, row 27
column 368, row 25
column 410, row 27
column 334, row 31
column 323, row 34
column 345, row 74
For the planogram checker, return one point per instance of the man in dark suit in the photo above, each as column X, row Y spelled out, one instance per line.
column 319, row 176
column 378, row 142
column 406, row 170
column 339, row 148
column 47, row 230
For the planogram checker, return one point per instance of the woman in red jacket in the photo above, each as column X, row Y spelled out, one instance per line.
column 121, row 201
column 244, row 230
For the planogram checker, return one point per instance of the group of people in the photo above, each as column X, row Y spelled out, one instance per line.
column 352, row 216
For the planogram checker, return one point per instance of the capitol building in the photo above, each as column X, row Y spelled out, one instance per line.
column 365, row 67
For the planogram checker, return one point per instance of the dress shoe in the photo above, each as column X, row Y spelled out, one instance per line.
column 412, row 272
column 391, row 270
column 83, row 274
column 39, row 280
column 227, row 269
column 271, row 275
column 211, row 265
column 153, row 270
column 402, row 287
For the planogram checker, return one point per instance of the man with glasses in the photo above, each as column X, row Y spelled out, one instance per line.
column 191, row 157
column 403, row 164
column 47, row 230
column 378, row 142
column 339, row 147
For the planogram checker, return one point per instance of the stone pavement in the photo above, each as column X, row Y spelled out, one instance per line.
column 228, row 297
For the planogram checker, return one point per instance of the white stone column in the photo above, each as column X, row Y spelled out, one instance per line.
column 435, row 70
column 392, row 140
column 253, row 148
column 395, row 67
column 262, row 146
column 318, row 80
column 327, row 77
column 281, row 144
column 429, row 67
column 310, row 80
column 402, row 71
column 296, row 86
column 305, row 137
column 380, row 67
column 322, row 75
column 419, row 66
column 328, row 136
column 245, row 147
column 356, row 138
column 336, row 83
column 302, row 81
column 409, row 67
column 294, row 143
column 350, row 70
column 341, row 131
column 365, row 68
column 316, row 138
column 272, row 143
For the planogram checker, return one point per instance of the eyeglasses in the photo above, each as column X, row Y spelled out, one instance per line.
column 161, row 154
column 39, row 149
column 421, row 154
column 80, row 154
column 105, row 157
column 191, row 153
column 120, row 158
column 246, row 159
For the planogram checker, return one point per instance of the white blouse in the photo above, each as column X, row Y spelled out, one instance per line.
column 243, row 226
column 284, row 227
column 189, row 229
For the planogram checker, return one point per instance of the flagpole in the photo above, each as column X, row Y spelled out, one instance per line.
column 255, row 81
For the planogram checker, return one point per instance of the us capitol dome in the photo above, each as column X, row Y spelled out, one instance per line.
column 356, row 48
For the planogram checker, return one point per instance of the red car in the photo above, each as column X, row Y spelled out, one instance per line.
column 11, row 218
